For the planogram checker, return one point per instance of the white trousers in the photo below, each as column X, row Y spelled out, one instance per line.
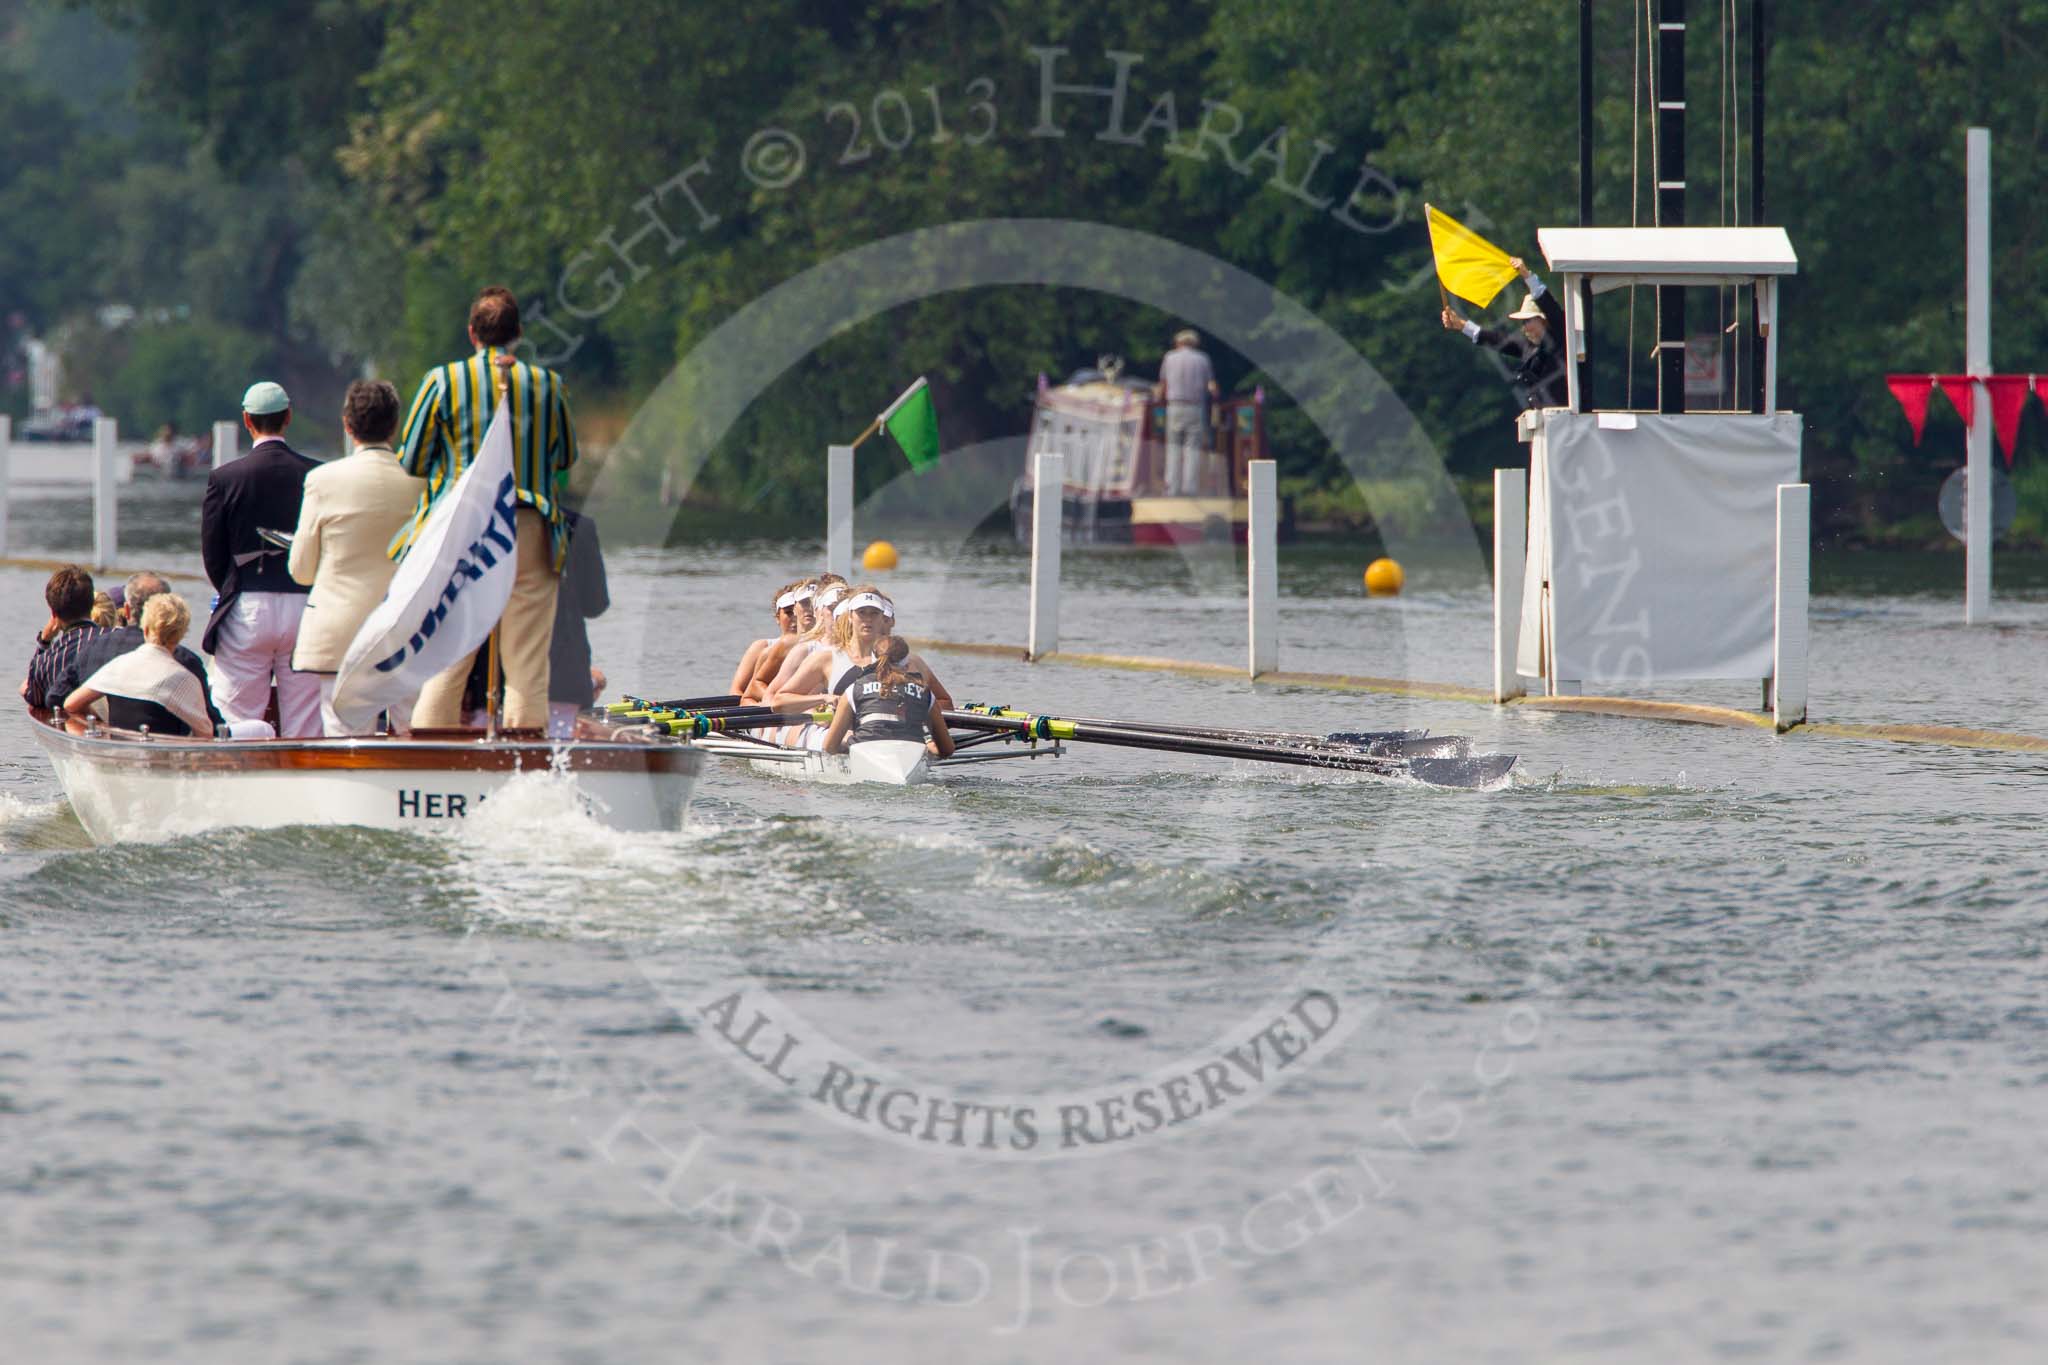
column 1187, row 447
column 254, row 648
column 334, row 727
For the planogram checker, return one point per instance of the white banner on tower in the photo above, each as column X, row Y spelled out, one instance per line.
column 1656, row 537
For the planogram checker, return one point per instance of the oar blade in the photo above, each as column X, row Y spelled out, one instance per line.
column 1481, row 772
column 1368, row 738
column 1425, row 746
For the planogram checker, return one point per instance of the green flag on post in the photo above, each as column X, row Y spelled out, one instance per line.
column 914, row 422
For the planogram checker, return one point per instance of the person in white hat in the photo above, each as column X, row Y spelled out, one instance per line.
column 1538, row 377
column 258, row 607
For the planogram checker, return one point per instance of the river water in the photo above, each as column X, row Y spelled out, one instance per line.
column 1694, row 1044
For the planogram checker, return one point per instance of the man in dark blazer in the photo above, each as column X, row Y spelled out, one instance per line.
column 255, row 621
column 1536, row 352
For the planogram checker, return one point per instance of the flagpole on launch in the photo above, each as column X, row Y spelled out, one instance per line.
column 501, row 383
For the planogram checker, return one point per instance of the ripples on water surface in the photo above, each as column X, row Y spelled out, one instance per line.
column 1693, row 1044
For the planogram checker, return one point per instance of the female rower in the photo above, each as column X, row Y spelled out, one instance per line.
column 785, row 630
column 804, row 617
column 891, row 702
column 814, row 636
column 813, row 645
column 865, row 619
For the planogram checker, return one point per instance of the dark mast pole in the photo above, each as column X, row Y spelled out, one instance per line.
column 1670, row 172
column 1757, row 47
column 1586, row 182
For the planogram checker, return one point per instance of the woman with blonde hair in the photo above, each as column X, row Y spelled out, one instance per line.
column 147, row 688
column 863, row 621
column 818, row 635
column 773, row 659
column 890, row 700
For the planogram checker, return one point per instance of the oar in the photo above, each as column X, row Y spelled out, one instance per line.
column 701, row 724
column 1378, row 743
column 653, row 712
column 632, row 703
column 1445, row 772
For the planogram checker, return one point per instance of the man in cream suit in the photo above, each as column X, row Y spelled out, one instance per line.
column 352, row 508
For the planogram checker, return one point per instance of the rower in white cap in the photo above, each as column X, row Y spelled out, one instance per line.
column 785, row 635
column 863, row 621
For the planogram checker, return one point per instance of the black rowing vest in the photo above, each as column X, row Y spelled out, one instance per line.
column 898, row 712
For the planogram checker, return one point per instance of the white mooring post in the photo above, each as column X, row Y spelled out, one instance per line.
column 1262, row 565
column 106, row 493
column 1788, row 651
column 1510, row 551
column 6, row 462
column 1977, row 364
column 226, row 441
column 839, row 510
column 1049, row 472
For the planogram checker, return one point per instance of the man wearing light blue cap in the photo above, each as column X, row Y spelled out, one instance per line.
column 255, row 622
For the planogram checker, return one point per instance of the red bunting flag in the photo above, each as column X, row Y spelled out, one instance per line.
column 2008, row 396
column 1962, row 392
column 2041, row 388
column 1912, row 391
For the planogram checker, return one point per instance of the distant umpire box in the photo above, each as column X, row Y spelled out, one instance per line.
column 1659, row 546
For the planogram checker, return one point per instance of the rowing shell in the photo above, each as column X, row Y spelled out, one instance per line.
column 873, row 762
column 882, row 762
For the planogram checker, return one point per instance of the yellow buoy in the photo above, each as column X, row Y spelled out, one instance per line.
column 1383, row 578
column 879, row 555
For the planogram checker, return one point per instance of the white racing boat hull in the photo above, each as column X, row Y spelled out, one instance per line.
column 879, row 762
column 125, row 788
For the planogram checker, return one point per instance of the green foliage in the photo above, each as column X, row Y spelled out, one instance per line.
column 42, row 218
column 345, row 173
column 170, row 372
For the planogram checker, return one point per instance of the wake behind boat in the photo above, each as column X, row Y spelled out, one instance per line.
column 128, row 785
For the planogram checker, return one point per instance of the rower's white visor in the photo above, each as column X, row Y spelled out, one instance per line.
column 829, row 596
column 803, row 594
column 866, row 599
column 786, row 601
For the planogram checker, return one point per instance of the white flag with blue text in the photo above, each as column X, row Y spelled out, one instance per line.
column 448, row 593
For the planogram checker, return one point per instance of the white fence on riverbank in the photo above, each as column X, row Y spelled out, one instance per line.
column 105, row 463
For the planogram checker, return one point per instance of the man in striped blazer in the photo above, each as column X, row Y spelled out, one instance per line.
column 442, row 434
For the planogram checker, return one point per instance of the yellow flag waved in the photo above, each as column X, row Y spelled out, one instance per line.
column 1467, row 264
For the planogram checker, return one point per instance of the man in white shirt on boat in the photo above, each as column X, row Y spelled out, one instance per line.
column 351, row 510
column 1187, row 385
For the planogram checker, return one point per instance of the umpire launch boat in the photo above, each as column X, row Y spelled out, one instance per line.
column 131, row 786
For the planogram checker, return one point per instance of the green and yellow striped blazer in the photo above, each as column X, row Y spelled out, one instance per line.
column 446, row 426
